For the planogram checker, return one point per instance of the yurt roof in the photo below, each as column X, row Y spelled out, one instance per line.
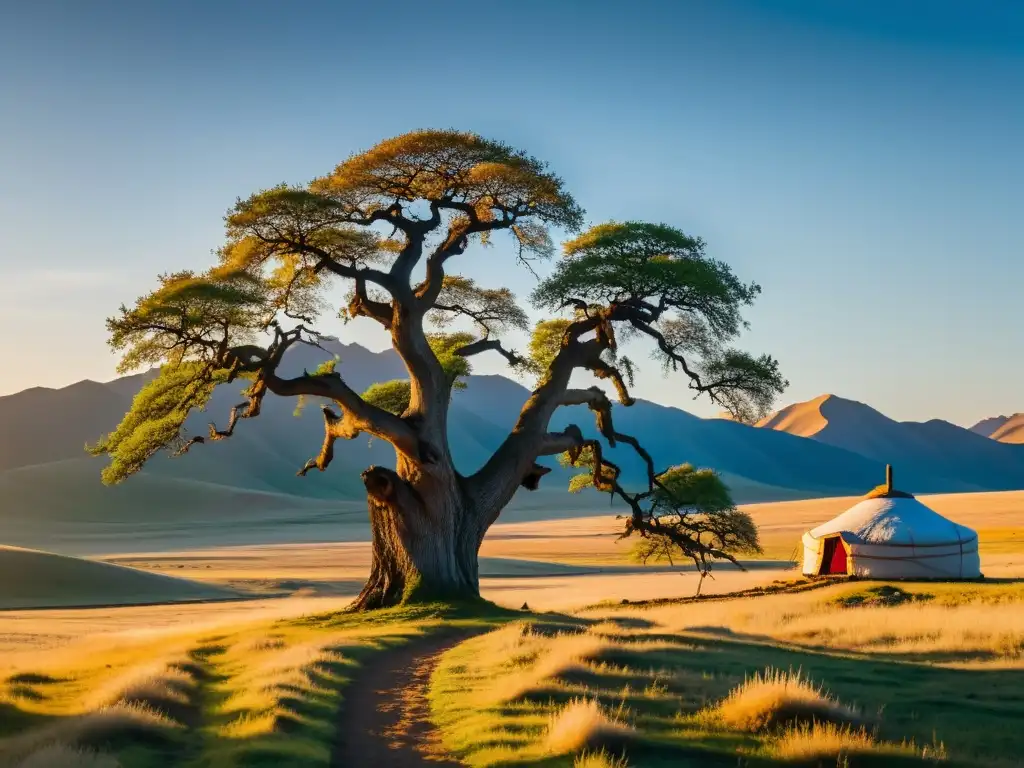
column 889, row 516
column 894, row 521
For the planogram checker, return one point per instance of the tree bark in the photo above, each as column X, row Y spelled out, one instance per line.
column 424, row 537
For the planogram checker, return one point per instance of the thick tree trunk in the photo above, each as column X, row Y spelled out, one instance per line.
column 424, row 538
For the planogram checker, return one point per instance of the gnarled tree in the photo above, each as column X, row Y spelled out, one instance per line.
column 382, row 232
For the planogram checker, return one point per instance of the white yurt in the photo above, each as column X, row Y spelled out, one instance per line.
column 891, row 535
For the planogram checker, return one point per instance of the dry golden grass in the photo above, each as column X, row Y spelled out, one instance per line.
column 827, row 741
column 600, row 759
column 265, row 644
column 239, row 682
column 267, row 681
column 583, row 724
column 979, row 624
column 529, row 659
column 776, row 699
column 58, row 756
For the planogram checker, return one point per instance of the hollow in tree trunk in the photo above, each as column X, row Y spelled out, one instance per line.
column 424, row 541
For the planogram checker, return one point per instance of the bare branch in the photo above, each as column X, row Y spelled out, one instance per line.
column 335, row 426
column 485, row 345
column 457, row 240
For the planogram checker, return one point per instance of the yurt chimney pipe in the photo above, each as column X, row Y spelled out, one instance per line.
column 888, row 478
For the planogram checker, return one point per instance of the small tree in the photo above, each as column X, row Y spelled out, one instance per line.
column 423, row 200
column 689, row 513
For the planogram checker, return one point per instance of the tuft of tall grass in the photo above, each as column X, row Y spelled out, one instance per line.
column 776, row 699
column 583, row 724
column 168, row 693
column 834, row 743
column 599, row 759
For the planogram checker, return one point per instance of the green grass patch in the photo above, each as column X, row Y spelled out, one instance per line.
column 702, row 697
column 266, row 694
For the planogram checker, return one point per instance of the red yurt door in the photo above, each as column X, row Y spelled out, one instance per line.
column 833, row 559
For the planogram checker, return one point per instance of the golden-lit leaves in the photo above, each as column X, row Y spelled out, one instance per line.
column 432, row 165
column 578, row 483
column 534, row 238
column 188, row 317
column 283, row 205
column 583, row 458
column 586, row 458
column 493, row 310
column 546, row 342
column 445, row 347
column 392, row 396
column 285, row 221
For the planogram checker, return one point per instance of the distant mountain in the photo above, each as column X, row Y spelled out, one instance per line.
column 46, row 478
column 1003, row 429
column 986, row 427
column 929, row 456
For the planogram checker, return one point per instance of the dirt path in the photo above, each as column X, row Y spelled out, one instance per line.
column 385, row 720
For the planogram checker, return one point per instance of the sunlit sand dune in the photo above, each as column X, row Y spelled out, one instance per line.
column 803, row 419
column 1012, row 431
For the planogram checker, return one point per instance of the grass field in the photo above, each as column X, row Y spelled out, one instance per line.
column 783, row 674
column 240, row 692
column 847, row 672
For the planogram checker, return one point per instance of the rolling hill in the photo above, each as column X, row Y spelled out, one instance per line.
column 246, row 485
column 33, row 579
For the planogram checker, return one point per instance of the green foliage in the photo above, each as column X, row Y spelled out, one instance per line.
column 156, row 418
column 586, row 460
column 546, row 342
column 614, row 262
column 697, row 504
column 753, row 382
column 445, row 347
column 657, row 281
column 392, row 396
column 188, row 317
column 685, row 488
column 283, row 233
column 326, row 367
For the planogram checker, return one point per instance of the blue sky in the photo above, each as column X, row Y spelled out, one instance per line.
column 861, row 160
